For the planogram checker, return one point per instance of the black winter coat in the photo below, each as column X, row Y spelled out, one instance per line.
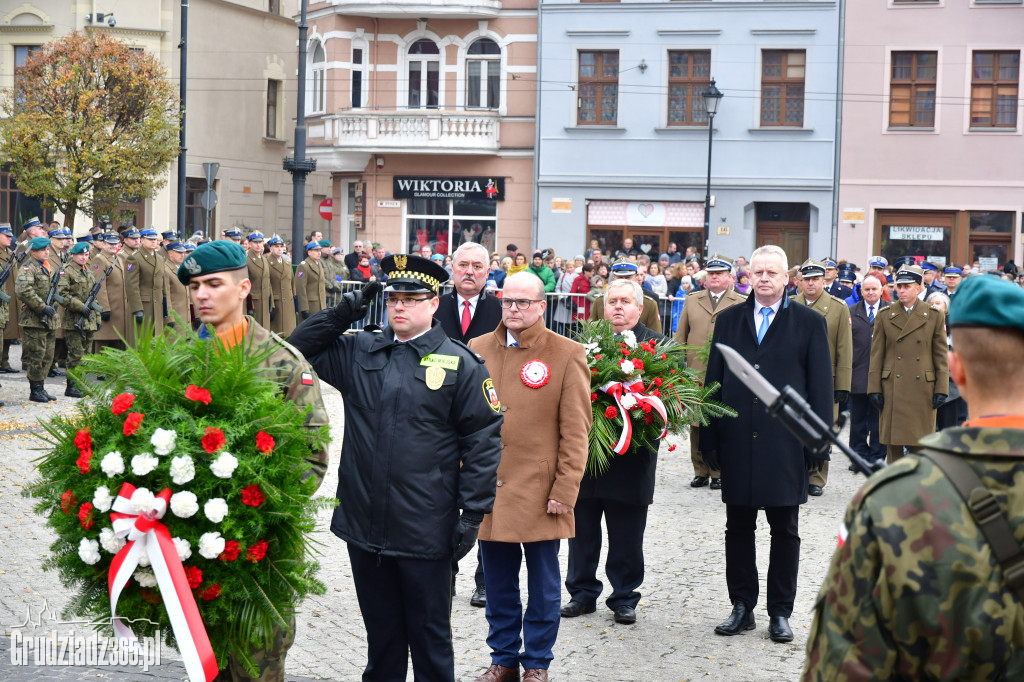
column 762, row 464
column 412, row 457
column 485, row 320
column 630, row 478
column 862, row 330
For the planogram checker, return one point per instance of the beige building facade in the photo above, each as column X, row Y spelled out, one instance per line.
column 240, row 103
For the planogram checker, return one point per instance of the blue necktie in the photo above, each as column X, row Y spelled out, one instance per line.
column 514, row 344
column 765, row 314
column 871, row 314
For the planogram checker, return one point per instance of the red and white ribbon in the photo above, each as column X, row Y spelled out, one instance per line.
column 617, row 390
column 142, row 529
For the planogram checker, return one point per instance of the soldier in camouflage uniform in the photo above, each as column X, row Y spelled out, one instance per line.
column 38, row 337
column 74, row 287
column 216, row 276
column 915, row 590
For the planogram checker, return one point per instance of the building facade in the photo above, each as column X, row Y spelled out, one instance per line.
column 932, row 143
column 623, row 148
column 241, row 103
column 423, row 114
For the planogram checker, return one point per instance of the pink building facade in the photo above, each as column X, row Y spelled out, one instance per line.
column 932, row 161
column 423, row 113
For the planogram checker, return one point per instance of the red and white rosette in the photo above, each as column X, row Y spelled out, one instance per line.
column 535, row 373
column 617, row 390
column 136, row 515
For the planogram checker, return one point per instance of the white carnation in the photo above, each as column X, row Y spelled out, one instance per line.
column 163, row 441
column 183, row 469
column 143, row 556
column 591, row 347
column 144, row 463
column 184, row 504
column 211, row 545
column 184, row 548
column 89, row 551
column 628, row 401
column 224, row 465
column 216, row 509
column 111, row 542
column 145, row 578
column 143, row 501
column 629, row 338
column 112, row 464
column 627, row 366
column 102, row 499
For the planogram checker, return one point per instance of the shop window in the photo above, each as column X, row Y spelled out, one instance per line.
column 444, row 224
column 689, row 75
column 782, row 87
column 424, row 75
column 483, row 75
column 598, row 102
column 994, row 88
column 912, row 89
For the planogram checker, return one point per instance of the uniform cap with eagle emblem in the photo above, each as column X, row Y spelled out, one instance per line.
column 211, row 257
column 412, row 274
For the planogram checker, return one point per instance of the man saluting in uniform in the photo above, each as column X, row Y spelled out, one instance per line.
column 422, row 441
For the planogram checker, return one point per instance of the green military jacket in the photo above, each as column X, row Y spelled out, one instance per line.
column 914, row 592
column 32, row 286
column 5, row 308
column 74, row 287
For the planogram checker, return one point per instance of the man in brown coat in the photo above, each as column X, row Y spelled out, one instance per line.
column 113, row 297
column 309, row 282
column 282, row 286
column 908, row 378
column 544, row 385
column 177, row 293
column 696, row 324
column 146, row 285
column 261, row 302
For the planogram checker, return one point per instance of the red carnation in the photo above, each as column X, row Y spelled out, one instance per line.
column 122, row 403
column 657, row 381
column 210, row 593
column 638, row 363
column 68, row 501
column 657, row 393
column 671, row 447
column 231, row 551
column 85, row 515
column 593, row 370
column 83, row 461
column 194, row 577
column 597, row 357
column 664, row 357
column 257, row 551
column 671, row 371
column 213, row 440
column 132, row 423
column 252, row 496
column 83, row 441
column 593, row 397
column 151, row 597
column 200, row 395
column 264, row 442
column 625, row 351
column 648, row 418
column 611, row 412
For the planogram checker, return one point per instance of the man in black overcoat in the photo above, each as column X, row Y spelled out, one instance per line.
column 762, row 464
column 621, row 494
column 863, row 415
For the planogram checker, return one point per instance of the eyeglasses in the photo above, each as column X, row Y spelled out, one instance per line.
column 391, row 302
column 521, row 303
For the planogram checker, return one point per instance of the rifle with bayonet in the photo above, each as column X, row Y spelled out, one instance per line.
column 90, row 303
column 5, row 274
column 52, row 296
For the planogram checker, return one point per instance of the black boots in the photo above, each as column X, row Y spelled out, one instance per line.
column 72, row 390
column 37, row 394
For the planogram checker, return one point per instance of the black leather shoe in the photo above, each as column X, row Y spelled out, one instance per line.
column 699, row 482
column 577, row 608
column 814, row 490
column 479, row 597
column 716, row 484
column 739, row 620
column 8, row 370
column 625, row 615
column 778, row 629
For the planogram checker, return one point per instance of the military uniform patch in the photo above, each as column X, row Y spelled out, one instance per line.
column 307, row 379
column 443, row 361
column 491, row 395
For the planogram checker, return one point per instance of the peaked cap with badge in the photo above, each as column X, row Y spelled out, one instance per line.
column 412, row 274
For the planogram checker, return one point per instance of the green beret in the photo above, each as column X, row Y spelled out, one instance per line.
column 38, row 244
column 987, row 302
column 211, row 257
column 80, row 247
column 325, row 243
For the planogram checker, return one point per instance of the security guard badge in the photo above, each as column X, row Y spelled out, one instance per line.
column 491, row 395
column 435, row 378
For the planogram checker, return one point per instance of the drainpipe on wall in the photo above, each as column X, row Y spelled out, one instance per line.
column 837, row 145
column 535, row 226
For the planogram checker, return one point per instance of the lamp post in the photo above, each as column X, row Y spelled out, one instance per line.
column 712, row 96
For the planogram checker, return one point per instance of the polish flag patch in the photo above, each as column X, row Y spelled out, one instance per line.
column 307, row 379
column 843, row 534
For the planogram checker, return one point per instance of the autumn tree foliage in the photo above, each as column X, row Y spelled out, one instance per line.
column 89, row 124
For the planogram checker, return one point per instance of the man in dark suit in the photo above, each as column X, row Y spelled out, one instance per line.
column 832, row 284
column 863, row 415
column 621, row 494
column 464, row 314
column 762, row 464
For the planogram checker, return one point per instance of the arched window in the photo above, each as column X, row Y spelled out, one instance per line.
column 318, row 79
column 424, row 74
column 483, row 75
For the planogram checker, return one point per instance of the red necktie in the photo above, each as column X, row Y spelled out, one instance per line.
column 466, row 318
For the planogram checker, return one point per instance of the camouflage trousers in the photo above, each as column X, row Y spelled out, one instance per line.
column 269, row 660
column 79, row 345
column 37, row 351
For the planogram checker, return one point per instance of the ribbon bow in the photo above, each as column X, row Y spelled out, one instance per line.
column 618, row 390
column 136, row 515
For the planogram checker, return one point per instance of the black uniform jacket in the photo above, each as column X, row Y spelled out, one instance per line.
column 862, row 330
column 762, row 464
column 630, row 477
column 412, row 455
column 485, row 319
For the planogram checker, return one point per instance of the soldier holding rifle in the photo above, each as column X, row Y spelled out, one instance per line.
column 35, row 290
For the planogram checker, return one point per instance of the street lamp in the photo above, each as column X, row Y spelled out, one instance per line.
column 712, row 96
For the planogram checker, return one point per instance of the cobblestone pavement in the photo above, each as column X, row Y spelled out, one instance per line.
column 684, row 593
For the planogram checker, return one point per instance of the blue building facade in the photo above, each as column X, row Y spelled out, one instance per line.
column 623, row 136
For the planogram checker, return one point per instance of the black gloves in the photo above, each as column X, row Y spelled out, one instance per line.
column 304, row 313
column 138, row 316
column 841, row 398
column 273, row 314
column 710, row 458
column 937, row 400
column 355, row 304
column 464, row 535
column 877, row 400
column 105, row 316
column 813, row 463
column 49, row 311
